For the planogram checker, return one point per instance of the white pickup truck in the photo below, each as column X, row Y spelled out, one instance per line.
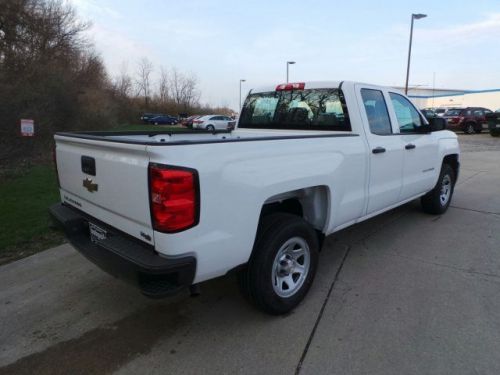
column 168, row 210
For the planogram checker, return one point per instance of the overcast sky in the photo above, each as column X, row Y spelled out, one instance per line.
column 223, row 41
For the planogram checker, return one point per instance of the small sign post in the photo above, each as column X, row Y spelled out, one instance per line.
column 27, row 128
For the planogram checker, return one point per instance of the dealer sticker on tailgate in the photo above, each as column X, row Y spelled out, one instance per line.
column 97, row 233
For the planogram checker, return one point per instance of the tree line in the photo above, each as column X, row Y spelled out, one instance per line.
column 51, row 72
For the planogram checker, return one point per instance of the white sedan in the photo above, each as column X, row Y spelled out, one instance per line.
column 213, row 122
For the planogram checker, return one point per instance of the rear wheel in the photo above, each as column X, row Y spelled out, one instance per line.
column 210, row 128
column 438, row 199
column 283, row 264
column 156, row 123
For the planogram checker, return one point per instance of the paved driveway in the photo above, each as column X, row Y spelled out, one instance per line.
column 403, row 293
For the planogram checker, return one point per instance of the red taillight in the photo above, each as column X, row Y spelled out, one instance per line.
column 173, row 197
column 291, row 86
column 197, row 122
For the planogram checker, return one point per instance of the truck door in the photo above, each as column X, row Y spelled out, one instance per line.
column 386, row 152
column 421, row 166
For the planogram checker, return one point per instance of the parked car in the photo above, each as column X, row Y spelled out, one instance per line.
column 214, row 122
column 148, row 116
column 469, row 120
column 163, row 120
column 428, row 113
column 440, row 111
column 188, row 122
column 306, row 160
column 494, row 123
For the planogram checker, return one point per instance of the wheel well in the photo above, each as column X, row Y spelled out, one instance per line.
column 452, row 161
column 291, row 206
column 309, row 203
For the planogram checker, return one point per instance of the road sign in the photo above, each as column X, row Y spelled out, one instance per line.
column 27, row 128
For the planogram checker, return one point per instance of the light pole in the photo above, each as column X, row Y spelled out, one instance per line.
column 241, row 81
column 413, row 17
column 287, row 64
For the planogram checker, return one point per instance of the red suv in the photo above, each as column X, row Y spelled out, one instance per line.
column 469, row 120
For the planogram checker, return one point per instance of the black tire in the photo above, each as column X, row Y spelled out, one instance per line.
column 256, row 280
column 495, row 133
column 469, row 128
column 210, row 128
column 433, row 202
column 478, row 130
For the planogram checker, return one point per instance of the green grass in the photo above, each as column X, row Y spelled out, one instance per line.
column 24, row 219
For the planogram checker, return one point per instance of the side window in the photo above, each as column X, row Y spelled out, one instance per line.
column 376, row 111
column 478, row 112
column 408, row 117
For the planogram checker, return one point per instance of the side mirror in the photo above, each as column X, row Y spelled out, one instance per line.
column 437, row 123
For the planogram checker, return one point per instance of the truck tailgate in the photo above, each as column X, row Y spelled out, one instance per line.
column 116, row 192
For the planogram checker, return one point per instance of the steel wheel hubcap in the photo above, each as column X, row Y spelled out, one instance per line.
column 291, row 267
column 444, row 196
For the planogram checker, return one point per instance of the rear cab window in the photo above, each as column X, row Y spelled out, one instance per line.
column 308, row 109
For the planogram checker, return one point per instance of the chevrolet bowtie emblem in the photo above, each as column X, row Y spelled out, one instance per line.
column 89, row 185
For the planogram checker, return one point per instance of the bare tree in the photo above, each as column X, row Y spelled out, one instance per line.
column 123, row 82
column 184, row 89
column 144, row 71
column 163, row 86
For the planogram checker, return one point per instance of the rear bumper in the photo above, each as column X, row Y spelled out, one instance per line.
column 125, row 257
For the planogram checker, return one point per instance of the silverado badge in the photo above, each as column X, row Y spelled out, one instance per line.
column 89, row 185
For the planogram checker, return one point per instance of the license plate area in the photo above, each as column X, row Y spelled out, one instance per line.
column 97, row 233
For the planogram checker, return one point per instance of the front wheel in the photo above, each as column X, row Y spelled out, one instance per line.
column 210, row 128
column 283, row 264
column 438, row 199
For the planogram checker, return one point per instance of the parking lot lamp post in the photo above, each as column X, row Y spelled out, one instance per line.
column 241, row 81
column 288, row 63
column 413, row 17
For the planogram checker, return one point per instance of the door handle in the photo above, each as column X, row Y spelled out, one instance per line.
column 410, row 146
column 378, row 150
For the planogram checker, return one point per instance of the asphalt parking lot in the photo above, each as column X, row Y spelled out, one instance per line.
column 403, row 293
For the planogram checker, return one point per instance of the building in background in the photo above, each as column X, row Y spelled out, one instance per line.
column 425, row 97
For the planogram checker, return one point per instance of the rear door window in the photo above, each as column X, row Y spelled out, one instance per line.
column 376, row 111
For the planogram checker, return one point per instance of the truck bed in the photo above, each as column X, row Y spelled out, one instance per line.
column 156, row 138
